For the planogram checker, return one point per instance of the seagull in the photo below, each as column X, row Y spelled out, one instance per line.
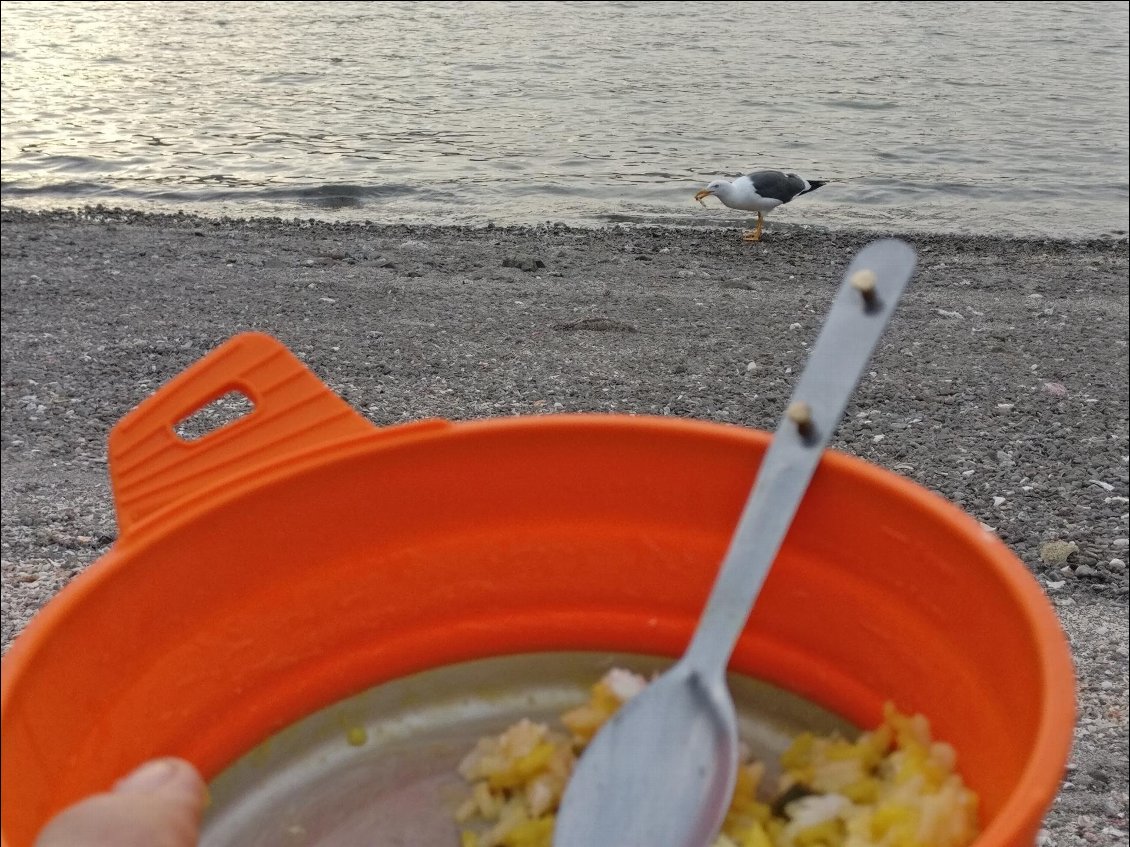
column 761, row 192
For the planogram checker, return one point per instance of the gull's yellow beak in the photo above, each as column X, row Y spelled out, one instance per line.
column 706, row 192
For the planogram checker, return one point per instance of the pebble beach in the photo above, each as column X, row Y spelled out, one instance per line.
column 1002, row 383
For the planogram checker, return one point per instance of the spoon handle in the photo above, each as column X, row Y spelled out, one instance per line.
column 866, row 299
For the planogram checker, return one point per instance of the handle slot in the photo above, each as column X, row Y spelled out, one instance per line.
column 211, row 418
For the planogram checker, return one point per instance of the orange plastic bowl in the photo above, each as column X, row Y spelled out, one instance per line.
column 300, row 555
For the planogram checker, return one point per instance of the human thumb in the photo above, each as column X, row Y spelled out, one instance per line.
column 157, row 805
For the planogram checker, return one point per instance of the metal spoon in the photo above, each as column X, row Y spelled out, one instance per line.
column 661, row 772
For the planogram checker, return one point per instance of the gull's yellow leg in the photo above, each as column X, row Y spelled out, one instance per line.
column 749, row 237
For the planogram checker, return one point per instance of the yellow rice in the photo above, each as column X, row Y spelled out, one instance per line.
column 891, row 787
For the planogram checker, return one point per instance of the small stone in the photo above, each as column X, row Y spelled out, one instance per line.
column 1105, row 486
column 1057, row 552
column 752, row 366
column 1055, row 389
column 1120, row 543
column 1086, row 570
column 1117, row 565
column 1055, row 584
column 998, row 501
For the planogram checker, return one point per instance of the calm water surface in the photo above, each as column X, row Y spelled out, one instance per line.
column 969, row 117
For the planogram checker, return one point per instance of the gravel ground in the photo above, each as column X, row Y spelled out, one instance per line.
column 1002, row 383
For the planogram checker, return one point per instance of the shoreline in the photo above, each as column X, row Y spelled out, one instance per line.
column 1001, row 384
column 121, row 214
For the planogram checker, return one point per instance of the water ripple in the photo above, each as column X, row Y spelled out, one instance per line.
column 984, row 121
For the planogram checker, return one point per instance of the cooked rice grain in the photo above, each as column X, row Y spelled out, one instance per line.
column 891, row 787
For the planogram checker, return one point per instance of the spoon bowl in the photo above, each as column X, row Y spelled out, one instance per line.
column 686, row 721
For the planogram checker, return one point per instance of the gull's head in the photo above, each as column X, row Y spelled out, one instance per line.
column 711, row 190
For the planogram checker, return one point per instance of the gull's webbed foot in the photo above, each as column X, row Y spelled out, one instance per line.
column 749, row 237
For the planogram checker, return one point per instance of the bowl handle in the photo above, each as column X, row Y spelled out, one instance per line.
column 152, row 466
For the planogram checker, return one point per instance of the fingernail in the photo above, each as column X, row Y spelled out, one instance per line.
column 148, row 777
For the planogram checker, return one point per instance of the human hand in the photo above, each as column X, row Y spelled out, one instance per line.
column 157, row 805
